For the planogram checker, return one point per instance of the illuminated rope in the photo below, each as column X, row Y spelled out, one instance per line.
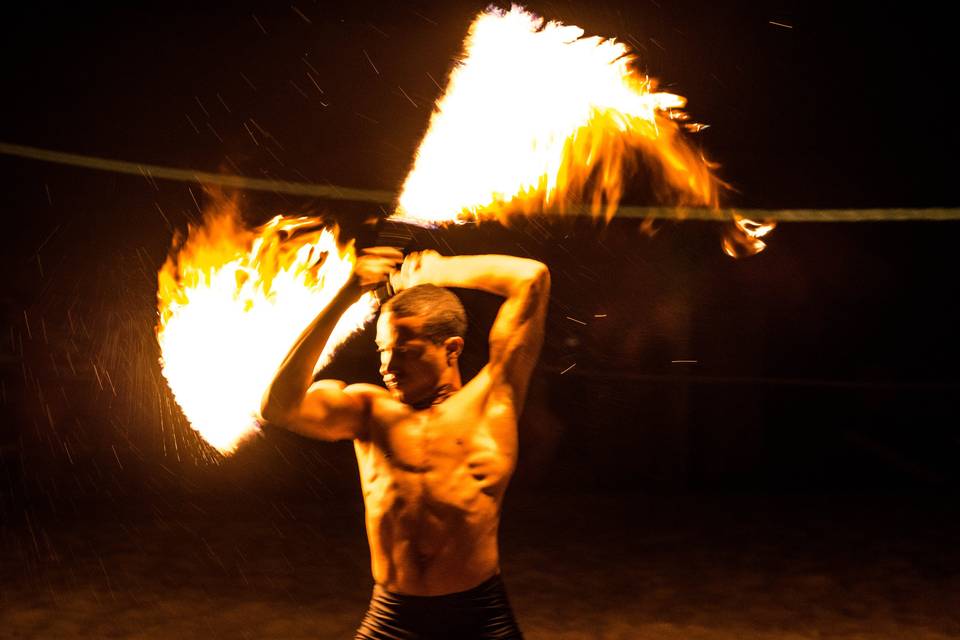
column 786, row 215
column 188, row 175
column 334, row 192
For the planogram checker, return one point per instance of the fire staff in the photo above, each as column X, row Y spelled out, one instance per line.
column 435, row 455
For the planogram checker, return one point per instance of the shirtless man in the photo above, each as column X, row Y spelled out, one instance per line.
column 435, row 455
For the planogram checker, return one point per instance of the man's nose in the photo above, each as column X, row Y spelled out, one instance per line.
column 385, row 361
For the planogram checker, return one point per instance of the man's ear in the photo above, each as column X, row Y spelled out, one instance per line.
column 454, row 347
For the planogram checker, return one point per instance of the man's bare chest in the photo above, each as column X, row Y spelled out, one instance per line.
column 449, row 457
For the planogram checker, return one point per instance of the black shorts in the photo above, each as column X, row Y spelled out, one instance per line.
column 482, row 613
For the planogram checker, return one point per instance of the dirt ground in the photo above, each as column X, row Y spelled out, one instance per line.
column 608, row 566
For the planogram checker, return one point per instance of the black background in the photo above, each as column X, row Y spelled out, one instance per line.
column 824, row 365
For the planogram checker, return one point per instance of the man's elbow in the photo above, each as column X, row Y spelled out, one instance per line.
column 541, row 272
column 539, row 278
column 272, row 411
column 270, row 415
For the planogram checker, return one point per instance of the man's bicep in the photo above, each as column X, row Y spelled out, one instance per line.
column 517, row 335
column 332, row 411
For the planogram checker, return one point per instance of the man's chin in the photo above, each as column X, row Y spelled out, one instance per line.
column 398, row 393
column 406, row 396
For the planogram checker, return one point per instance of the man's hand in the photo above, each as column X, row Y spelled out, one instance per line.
column 420, row 267
column 374, row 267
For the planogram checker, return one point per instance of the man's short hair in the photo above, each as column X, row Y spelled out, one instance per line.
column 443, row 314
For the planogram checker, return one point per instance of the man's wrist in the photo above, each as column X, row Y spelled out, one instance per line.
column 351, row 291
column 384, row 292
column 435, row 271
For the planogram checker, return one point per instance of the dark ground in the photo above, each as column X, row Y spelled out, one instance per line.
column 798, row 480
column 576, row 566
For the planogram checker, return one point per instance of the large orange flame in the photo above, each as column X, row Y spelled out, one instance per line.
column 232, row 300
column 537, row 117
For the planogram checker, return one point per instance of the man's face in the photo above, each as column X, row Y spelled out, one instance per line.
column 411, row 364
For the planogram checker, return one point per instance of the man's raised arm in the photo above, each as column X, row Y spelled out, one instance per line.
column 327, row 409
column 517, row 333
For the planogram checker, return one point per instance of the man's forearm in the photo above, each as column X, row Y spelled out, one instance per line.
column 293, row 378
column 497, row 274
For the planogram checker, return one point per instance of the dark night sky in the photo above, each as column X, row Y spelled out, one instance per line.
column 847, row 108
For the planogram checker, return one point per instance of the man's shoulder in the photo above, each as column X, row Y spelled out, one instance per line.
column 491, row 387
column 366, row 391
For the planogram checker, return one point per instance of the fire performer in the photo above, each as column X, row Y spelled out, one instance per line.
column 435, row 455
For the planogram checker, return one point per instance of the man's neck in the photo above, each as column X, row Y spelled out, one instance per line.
column 439, row 395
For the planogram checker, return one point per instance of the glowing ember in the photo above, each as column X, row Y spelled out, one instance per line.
column 745, row 237
column 232, row 301
column 536, row 116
